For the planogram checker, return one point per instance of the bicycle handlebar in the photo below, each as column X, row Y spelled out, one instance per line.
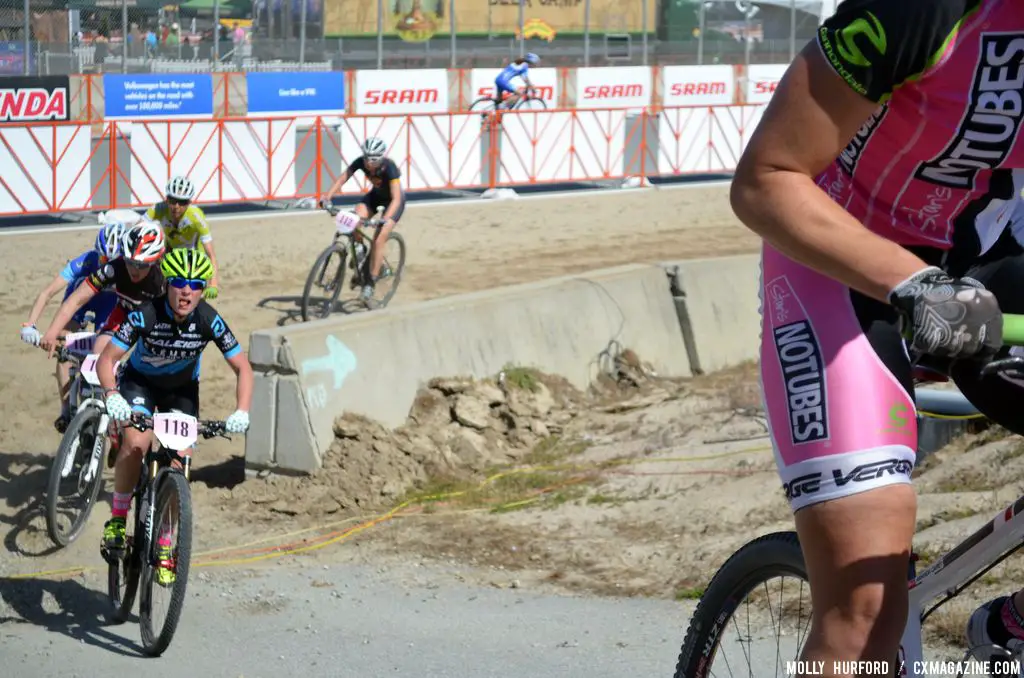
column 208, row 428
column 376, row 220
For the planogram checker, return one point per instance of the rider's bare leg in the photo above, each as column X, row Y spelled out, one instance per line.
column 63, row 374
column 377, row 259
column 857, row 549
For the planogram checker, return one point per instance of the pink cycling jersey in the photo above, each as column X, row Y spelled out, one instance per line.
column 936, row 166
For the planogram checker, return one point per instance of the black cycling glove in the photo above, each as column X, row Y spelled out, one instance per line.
column 947, row 317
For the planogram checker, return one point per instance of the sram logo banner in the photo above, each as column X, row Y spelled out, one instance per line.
column 697, row 86
column 545, row 80
column 419, row 91
column 613, row 87
column 35, row 99
column 762, row 79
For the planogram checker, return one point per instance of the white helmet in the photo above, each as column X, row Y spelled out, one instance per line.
column 108, row 240
column 143, row 243
column 181, row 188
column 374, row 147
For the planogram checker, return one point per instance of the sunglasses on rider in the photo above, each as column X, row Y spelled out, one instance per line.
column 175, row 201
column 138, row 266
column 182, row 283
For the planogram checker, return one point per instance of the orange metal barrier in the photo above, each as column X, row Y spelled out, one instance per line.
column 67, row 167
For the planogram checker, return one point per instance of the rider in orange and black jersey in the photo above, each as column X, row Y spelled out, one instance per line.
column 386, row 191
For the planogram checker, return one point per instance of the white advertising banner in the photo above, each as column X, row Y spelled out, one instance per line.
column 762, row 79
column 481, row 84
column 613, row 87
column 697, row 85
column 402, row 92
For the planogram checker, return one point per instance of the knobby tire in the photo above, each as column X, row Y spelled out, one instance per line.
column 172, row 486
column 85, row 425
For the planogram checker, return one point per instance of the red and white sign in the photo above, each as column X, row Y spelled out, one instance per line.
column 697, row 86
column 392, row 91
column 481, row 84
column 762, row 79
column 33, row 104
column 613, row 87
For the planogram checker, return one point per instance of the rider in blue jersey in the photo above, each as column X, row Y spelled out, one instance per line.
column 106, row 247
column 503, row 83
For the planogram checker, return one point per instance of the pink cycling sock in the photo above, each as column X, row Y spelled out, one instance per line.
column 165, row 537
column 1012, row 620
column 122, row 502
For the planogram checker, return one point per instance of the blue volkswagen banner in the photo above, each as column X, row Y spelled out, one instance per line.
column 158, row 95
column 296, row 93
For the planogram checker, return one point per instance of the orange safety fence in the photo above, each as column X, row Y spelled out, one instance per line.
column 75, row 166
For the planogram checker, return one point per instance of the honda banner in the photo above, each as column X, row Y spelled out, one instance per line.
column 545, row 80
column 24, row 99
column 392, row 91
column 613, row 87
column 762, row 79
column 697, row 86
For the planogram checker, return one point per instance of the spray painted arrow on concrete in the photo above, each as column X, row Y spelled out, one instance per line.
column 339, row 360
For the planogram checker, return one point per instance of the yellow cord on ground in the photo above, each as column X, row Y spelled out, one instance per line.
column 396, row 512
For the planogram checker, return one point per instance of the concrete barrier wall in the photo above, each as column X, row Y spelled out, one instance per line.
column 374, row 363
column 718, row 304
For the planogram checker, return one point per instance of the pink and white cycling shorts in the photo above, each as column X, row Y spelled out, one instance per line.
column 837, row 384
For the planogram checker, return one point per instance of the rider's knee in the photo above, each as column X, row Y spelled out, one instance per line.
column 869, row 620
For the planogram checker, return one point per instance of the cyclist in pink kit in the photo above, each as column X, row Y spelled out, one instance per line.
column 882, row 180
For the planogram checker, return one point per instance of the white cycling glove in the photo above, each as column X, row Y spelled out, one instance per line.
column 30, row 335
column 238, row 422
column 118, row 408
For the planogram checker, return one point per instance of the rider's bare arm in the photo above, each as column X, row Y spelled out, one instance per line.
column 811, row 117
column 243, row 372
column 79, row 298
column 338, row 183
column 47, row 293
column 208, row 246
column 105, row 365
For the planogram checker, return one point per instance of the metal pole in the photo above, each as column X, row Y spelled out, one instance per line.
column 700, row 33
column 451, row 20
column 380, row 35
column 522, row 38
column 792, row 29
column 28, row 42
column 216, row 31
column 302, row 31
column 643, row 37
column 124, row 36
column 586, row 32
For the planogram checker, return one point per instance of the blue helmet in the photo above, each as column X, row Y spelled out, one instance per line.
column 531, row 58
column 108, row 240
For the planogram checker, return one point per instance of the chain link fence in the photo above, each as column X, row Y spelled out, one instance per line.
column 51, row 37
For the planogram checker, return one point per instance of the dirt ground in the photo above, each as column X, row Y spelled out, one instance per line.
column 641, row 487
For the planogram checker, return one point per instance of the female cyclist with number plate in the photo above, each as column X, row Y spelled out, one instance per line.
column 882, row 178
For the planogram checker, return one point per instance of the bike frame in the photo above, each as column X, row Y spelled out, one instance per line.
column 954, row 572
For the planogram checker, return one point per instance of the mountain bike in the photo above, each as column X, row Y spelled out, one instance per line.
column 354, row 245
column 746, row 574
column 161, row 504
column 75, row 471
column 528, row 100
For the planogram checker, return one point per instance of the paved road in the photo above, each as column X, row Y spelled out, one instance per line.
column 301, row 619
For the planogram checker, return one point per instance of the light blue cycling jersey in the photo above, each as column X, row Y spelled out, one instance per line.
column 513, row 70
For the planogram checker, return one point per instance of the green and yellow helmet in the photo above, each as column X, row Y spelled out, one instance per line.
column 188, row 263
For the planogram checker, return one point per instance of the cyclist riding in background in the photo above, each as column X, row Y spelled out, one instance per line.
column 169, row 333
column 134, row 277
column 503, row 82
column 185, row 224
column 106, row 247
column 882, row 178
column 386, row 191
